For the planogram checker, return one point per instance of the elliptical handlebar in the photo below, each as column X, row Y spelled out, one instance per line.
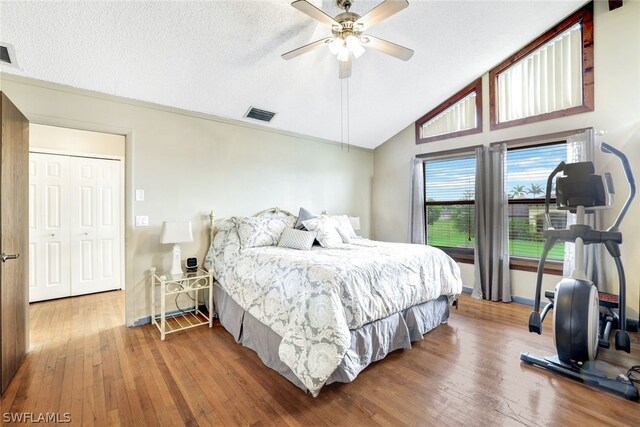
column 547, row 199
column 606, row 148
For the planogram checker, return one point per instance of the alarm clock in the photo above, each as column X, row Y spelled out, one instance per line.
column 192, row 264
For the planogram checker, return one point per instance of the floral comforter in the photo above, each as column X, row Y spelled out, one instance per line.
column 313, row 298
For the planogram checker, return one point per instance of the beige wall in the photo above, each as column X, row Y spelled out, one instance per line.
column 58, row 139
column 617, row 111
column 189, row 164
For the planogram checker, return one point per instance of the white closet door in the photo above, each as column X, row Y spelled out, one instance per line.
column 49, row 234
column 95, row 225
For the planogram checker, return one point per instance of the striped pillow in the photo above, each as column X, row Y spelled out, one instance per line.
column 296, row 239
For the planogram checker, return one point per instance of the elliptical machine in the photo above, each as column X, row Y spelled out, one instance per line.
column 575, row 302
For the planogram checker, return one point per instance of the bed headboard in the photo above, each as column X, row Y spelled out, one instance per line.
column 212, row 218
column 212, row 226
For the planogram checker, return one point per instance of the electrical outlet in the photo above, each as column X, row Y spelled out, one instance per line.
column 142, row 221
column 139, row 195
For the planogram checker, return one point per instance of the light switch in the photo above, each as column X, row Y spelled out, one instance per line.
column 139, row 195
column 142, row 221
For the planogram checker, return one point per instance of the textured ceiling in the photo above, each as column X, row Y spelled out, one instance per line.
column 220, row 57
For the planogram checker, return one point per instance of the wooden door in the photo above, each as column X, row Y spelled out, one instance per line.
column 49, row 232
column 14, row 240
column 95, row 225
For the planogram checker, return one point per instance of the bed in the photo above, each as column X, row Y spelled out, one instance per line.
column 322, row 315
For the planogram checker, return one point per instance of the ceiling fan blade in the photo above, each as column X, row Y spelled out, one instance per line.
column 380, row 13
column 345, row 69
column 306, row 48
column 309, row 9
column 389, row 48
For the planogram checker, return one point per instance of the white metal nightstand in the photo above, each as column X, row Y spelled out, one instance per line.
column 197, row 281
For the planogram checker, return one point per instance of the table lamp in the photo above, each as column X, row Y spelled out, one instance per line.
column 176, row 232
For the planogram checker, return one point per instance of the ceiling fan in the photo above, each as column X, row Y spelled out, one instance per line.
column 348, row 41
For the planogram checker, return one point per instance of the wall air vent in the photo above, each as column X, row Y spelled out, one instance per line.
column 4, row 54
column 7, row 54
column 258, row 114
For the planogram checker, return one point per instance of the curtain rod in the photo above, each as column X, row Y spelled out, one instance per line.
column 538, row 138
column 445, row 153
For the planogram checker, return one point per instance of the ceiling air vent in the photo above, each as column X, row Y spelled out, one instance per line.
column 7, row 54
column 258, row 114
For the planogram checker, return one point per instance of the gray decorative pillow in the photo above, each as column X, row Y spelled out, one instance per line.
column 325, row 227
column 344, row 228
column 259, row 231
column 296, row 239
column 303, row 215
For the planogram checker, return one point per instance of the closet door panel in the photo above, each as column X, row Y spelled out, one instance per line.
column 95, row 225
column 49, row 233
column 109, row 224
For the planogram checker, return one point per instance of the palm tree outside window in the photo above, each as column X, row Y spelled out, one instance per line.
column 527, row 170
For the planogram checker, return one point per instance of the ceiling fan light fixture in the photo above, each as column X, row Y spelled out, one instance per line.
column 347, row 41
column 343, row 54
column 354, row 45
column 335, row 45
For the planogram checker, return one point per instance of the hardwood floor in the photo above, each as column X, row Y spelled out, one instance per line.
column 84, row 362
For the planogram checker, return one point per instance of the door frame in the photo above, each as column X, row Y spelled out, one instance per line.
column 73, row 153
column 129, row 145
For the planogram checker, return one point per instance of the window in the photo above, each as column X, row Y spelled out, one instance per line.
column 527, row 170
column 550, row 77
column 449, row 189
column 449, row 203
column 457, row 116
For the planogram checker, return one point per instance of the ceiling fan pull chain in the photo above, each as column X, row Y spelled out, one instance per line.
column 348, row 118
column 341, row 114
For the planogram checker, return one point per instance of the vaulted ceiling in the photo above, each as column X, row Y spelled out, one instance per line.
column 220, row 57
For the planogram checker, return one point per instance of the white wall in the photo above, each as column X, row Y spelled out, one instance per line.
column 190, row 163
column 617, row 111
column 58, row 139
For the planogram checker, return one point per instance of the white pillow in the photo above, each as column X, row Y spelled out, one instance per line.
column 344, row 228
column 325, row 227
column 297, row 239
column 259, row 231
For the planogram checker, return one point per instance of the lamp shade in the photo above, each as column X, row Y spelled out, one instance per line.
column 176, row 232
column 355, row 222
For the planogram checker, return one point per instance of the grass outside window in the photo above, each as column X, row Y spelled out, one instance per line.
column 444, row 233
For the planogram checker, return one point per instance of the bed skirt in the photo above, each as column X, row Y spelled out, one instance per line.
column 369, row 343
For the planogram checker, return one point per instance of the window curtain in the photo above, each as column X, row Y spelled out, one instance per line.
column 581, row 148
column 416, row 210
column 492, row 280
column 460, row 116
column 548, row 79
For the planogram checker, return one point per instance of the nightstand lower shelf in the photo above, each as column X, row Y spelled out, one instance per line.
column 180, row 321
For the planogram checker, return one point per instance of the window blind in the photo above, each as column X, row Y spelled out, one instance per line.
column 548, row 79
column 460, row 116
column 449, row 201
